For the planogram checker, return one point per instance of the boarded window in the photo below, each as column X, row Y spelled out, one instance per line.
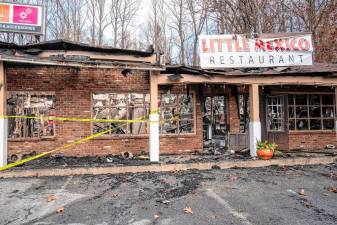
column 176, row 113
column 311, row 112
column 120, row 106
column 32, row 105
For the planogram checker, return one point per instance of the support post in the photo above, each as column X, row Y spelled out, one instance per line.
column 336, row 110
column 254, row 124
column 3, row 121
column 154, row 118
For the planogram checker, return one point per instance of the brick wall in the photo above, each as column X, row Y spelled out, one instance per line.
column 73, row 90
column 311, row 140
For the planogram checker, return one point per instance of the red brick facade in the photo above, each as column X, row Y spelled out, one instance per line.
column 73, row 91
column 314, row 140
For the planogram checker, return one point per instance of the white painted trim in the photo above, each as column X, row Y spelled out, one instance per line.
column 3, row 141
column 254, row 136
column 154, row 137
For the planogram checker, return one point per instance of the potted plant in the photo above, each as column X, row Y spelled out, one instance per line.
column 265, row 150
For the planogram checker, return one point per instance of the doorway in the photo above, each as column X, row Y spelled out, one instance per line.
column 215, row 123
column 276, row 120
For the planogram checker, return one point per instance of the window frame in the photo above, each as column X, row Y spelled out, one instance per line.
column 193, row 93
column 309, row 118
column 116, row 136
column 283, row 119
column 38, row 93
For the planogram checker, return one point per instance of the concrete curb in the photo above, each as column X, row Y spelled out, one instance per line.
column 76, row 171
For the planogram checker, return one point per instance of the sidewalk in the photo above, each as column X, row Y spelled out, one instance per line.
column 169, row 163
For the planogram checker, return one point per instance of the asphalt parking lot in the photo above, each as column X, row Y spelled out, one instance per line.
column 271, row 195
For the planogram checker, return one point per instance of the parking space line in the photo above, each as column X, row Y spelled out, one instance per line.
column 242, row 217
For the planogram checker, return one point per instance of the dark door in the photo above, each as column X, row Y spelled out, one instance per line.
column 276, row 120
column 215, row 122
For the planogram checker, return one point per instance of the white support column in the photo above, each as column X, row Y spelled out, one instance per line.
column 254, row 124
column 336, row 110
column 3, row 122
column 154, row 118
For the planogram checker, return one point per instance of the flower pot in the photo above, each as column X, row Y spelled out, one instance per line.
column 265, row 154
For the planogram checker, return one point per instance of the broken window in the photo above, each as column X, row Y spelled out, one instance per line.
column 275, row 113
column 311, row 112
column 120, row 106
column 176, row 113
column 32, row 105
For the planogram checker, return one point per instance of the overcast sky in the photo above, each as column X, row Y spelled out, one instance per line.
column 143, row 14
column 139, row 22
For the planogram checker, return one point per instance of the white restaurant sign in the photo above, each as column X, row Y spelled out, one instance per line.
column 270, row 50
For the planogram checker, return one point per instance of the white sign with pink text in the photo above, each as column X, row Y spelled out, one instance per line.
column 269, row 50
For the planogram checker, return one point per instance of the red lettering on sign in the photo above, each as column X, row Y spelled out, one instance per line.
column 269, row 46
column 245, row 44
column 278, row 44
column 237, row 46
column 211, row 45
column 228, row 41
column 303, row 44
column 292, row 44
column 259, row 45
column 204, row 45
column 219, row 45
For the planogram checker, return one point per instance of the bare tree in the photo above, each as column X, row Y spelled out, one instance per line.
column 66, row 19
column 198, row 10
column 155, row 31
column 178, row 24
column 99, row 20
column 122, row 15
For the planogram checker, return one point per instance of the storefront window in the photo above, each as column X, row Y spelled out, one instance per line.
column 121, row 106
column 311, row 112
column 176, row 113
column 32, row 105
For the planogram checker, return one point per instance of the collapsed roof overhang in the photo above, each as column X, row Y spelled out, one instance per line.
column 318, row 68
column 66, row 53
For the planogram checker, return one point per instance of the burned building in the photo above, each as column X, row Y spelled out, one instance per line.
column 166, row 109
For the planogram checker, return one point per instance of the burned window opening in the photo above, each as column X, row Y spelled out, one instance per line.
column 176, row 113
column 33, row 105
column 121, row 106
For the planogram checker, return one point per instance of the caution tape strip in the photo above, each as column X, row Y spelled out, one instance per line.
column 52, row 118
column 74, row 119
column 63, row 147
column 55, row 150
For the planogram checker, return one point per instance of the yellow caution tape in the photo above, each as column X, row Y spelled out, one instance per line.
column 55, row 150
column 74, row 119
column 52, row 118
column 64, row 146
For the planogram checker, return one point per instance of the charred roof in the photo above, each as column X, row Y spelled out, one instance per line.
column 317, row 68
column 69, row 45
